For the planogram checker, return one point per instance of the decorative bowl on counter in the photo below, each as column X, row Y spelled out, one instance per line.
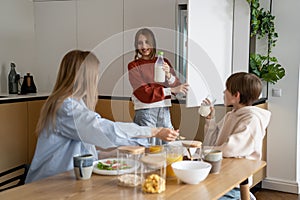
column 191, row 172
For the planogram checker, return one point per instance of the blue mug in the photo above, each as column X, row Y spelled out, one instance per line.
column 83, row 166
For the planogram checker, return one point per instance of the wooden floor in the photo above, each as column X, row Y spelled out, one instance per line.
column 264, row 194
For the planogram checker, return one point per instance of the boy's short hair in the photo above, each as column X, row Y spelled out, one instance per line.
column 248, row 85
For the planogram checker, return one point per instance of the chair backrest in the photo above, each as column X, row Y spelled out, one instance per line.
column 13, row 177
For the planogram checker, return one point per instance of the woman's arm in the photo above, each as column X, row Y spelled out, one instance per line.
column 79, row 123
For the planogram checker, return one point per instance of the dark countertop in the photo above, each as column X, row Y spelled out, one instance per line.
column 12, row 98
column 174, row 99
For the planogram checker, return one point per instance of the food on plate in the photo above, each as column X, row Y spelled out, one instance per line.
column 154, row 184
column 112, row 165
column 131, row 180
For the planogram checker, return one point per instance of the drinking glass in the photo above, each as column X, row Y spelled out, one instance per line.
column 174, row 154
column 214, row 157
column 204, row 109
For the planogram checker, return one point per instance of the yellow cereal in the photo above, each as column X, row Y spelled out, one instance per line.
column 154, row 184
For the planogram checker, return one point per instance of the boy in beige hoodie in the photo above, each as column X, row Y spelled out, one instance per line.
column 241, row 131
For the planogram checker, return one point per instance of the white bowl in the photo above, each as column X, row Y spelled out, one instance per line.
column 191, row 172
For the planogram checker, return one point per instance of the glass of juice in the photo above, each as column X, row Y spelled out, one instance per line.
column 174, row 154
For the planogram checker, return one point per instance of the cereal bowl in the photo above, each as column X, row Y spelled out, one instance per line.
column 191, row 172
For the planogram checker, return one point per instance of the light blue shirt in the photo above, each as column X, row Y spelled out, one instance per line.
column 77, row 131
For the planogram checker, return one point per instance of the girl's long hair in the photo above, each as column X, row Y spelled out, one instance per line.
column 151, row 39
column 78, row 77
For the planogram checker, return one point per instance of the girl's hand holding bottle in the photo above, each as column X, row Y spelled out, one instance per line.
column 166, row 69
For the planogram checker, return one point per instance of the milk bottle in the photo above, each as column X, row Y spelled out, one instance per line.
column 159, row 73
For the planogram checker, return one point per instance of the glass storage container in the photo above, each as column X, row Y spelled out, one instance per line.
column 129, row 165
column 154, row 171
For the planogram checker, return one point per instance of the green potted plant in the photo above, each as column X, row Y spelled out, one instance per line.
column 266, row 68
column 262, row 25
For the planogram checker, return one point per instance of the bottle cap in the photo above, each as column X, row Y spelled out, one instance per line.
column 160, row 53
column 12, row 64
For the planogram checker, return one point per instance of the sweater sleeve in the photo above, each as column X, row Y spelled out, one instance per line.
column 80, row 123
column 211, row 132
column 145, row 89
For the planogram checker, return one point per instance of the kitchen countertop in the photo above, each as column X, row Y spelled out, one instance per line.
column 12, row 98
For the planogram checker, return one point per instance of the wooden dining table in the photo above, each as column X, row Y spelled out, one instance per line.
column 65, row 186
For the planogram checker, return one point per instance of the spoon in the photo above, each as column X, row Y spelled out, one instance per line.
column 180, row 137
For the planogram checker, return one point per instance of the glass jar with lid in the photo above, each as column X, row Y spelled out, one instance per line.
column 154, row 171
column 129, row 165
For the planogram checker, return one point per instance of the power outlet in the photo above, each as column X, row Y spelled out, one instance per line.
column 276, row 92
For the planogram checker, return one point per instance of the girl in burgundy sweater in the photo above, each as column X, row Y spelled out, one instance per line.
column 151, row 100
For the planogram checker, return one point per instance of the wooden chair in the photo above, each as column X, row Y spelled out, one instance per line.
column 13, row 177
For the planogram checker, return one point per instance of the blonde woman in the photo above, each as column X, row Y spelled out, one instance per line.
column 68, row 124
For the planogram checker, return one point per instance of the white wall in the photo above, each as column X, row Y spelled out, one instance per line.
column 16, row 38
column 283, row 135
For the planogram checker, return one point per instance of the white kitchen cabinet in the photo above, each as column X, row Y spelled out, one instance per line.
column 100, row 29
column 55, row 33
column 218, row 45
